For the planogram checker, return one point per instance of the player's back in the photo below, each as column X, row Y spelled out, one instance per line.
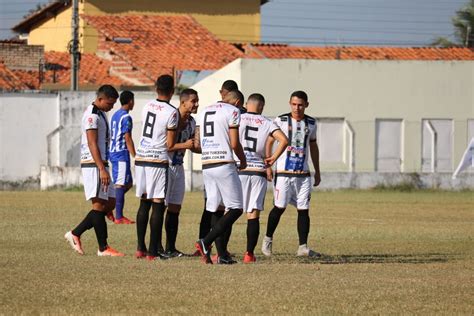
column 158, row 117
column 253, row 132
column 120, row 124
column 214, row 122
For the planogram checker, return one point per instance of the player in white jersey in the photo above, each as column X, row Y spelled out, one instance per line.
column 189, row 103
column 292, row 178
column 255, row 130
column 97, row 185
column 160, row 121
column 217, row 138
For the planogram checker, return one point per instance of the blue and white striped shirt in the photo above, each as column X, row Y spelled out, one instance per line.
column 121, row 123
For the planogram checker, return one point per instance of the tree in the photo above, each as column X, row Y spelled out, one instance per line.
column 463, row 23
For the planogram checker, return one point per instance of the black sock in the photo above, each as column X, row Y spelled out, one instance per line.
column 142, row 223
column 205, row 224
column 100, row 227
column 253, row 230
column 273, row 220
column 171, row 226
column 156, row 228
column 220, row 244
column 222, row 225
column 86, row 224
column 303, row 226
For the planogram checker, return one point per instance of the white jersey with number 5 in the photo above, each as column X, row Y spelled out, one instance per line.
column 214, row 123
column 253, row 133
column 158, row 117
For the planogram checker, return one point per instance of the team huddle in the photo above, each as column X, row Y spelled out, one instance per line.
column 241, row 151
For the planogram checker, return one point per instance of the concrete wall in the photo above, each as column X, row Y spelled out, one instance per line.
column 25, row 122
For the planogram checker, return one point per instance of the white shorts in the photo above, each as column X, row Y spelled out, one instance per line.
column 222, row 186
column 151, row 181
column 293, row 190
column 92, row 186
column 254, row 188
column 176, row 185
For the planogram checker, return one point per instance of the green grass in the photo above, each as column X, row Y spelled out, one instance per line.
column 385, row 252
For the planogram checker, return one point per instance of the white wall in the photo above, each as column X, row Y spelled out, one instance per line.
column 25, row 122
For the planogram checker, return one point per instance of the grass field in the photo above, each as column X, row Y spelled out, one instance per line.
column 385, row 252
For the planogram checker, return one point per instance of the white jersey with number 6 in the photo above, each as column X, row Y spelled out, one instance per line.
column 158, row 117
column 214, row 123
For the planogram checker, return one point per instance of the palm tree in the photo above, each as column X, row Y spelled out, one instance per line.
column 464, row 29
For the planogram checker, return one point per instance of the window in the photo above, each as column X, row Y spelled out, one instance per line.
column 330, row 134
column 388, row 145
column 443, row 130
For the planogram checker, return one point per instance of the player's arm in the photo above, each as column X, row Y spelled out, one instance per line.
column 172, row 127
column 237, row 146
column 197, row 142
column 268, row 152
column 181, row 146
column 130, row 145
column 92, row 135
column 282, row 140
column 314, row 150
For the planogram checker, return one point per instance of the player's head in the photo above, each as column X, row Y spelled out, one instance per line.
column 165, row 87
column 106, row 97
column 189, row 101
column 127, row 100
column 234, row 97
column 227, row 86
column 255, row 103
column 298, row 103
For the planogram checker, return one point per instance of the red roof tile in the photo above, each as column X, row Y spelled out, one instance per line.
column 8, row 80
column 281, row 51
column 161, row 44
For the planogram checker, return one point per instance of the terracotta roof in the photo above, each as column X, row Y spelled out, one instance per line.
column 281, row 51
column 161, row 44
column 94, row 71
column 9, row 81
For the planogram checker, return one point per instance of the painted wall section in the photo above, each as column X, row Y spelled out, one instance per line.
column 54, row 34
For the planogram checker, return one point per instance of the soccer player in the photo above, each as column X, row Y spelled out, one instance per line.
column 121, row 147
column 217, row 138
column 206, row 218
column 97, row 185
column 189, row 103
column 255, row 130
column 292, row 178
column 160, row 121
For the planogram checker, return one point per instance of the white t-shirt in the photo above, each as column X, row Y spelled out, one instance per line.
column 214, row 123
column 158, row 117
column 253, row 133
column 94, row 118
column 299, row 133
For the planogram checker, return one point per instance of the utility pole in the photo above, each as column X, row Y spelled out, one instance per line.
column 74, row 47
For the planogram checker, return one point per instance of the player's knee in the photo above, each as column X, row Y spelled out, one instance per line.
column 254, row 214
column 303, row 212
column 278, row 210
column 174, row 208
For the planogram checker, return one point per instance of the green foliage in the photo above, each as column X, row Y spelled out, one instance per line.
column 463, row 24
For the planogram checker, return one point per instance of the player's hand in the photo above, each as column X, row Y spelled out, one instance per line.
column 104, row 178
column 269, row 161
column 269, row 174
column 189, row 144
column 317, row 179
column 242, row 165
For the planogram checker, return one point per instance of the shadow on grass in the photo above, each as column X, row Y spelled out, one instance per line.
column 369, row 258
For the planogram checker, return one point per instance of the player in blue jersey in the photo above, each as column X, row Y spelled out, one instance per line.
column 121, row 147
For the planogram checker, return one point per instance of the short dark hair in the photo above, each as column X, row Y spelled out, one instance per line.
column 230, row 85
column 107, row 91
column 126, row 96
column 300, row 95
column 236, row 94
column 256, row 97
column 186, row 93
column 165, row 84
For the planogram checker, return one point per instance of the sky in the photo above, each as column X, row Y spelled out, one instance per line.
column 325, row 22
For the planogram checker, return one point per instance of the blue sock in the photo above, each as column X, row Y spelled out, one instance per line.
column 119, row 202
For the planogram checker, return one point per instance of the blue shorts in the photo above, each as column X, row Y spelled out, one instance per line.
column 121, row 173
